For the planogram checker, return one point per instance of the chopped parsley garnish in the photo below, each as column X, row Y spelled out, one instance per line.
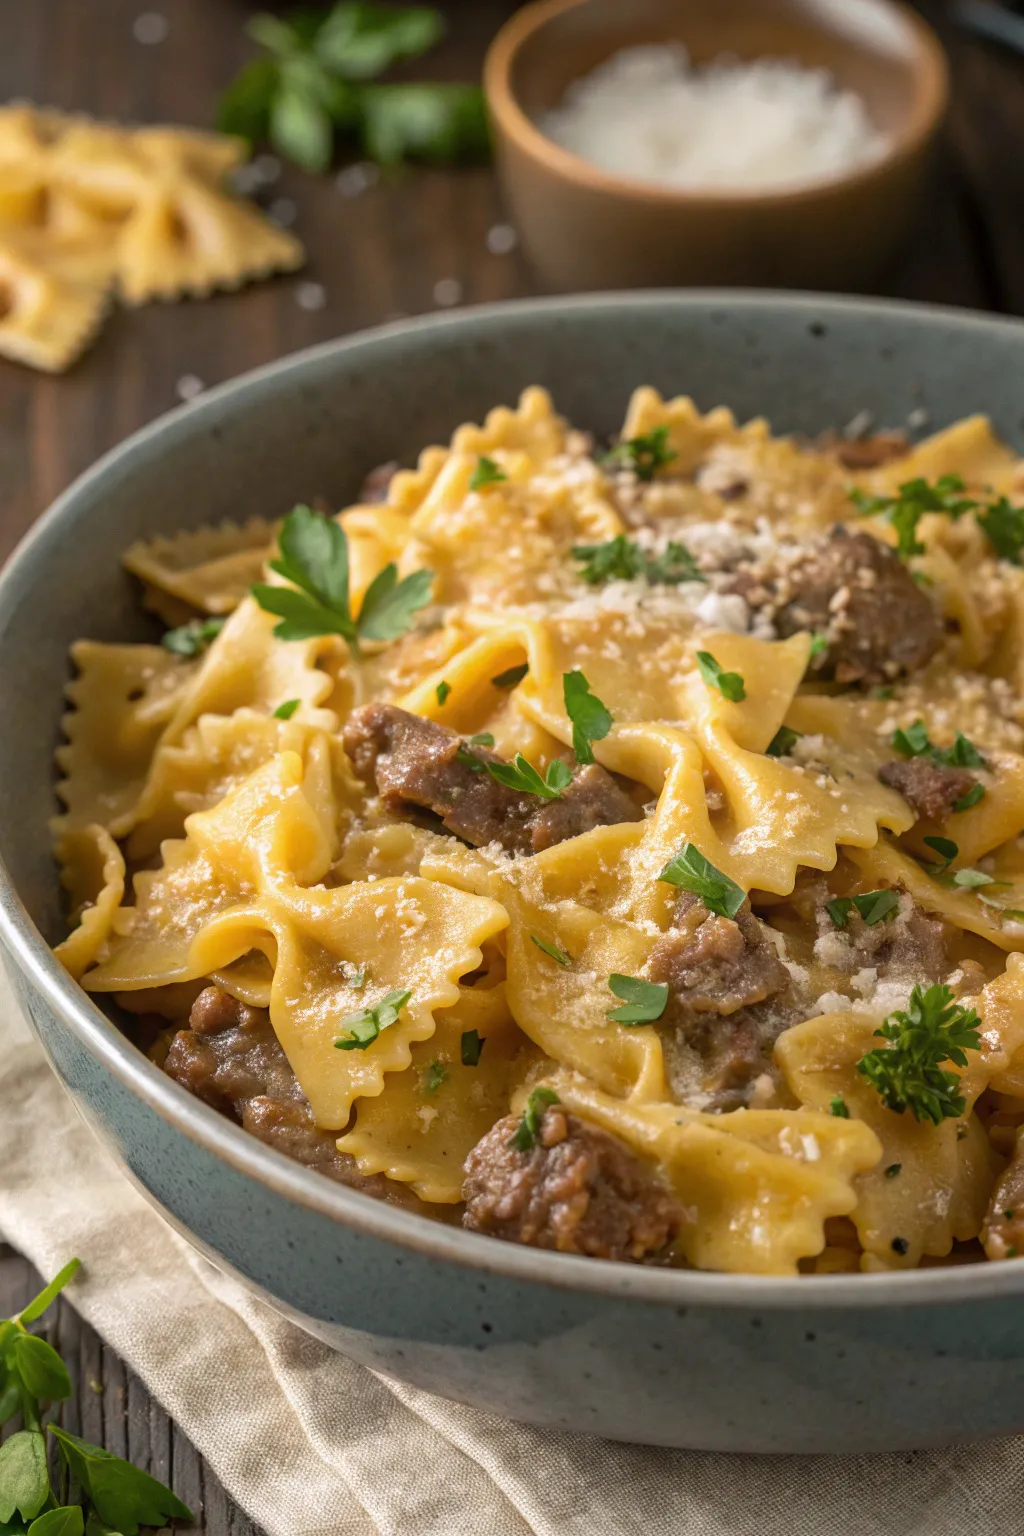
column 591, row 721
column 621, row 559
column 643, row 1001
column 471, row 1045
column 511, row 676
column 313, row 556
column 442, row 692
column 523, row 777
column 972, row 879
column 837, row 1106
column 1003, row 526
column 873, row 906
column 436, row 1074
column 469, row 759
column 286, row 710
column 966, row 879
column 551, row 949
column 525, row 1137
column 644, row 455
column 691, row 871
column 906, row 509
column 970, row 798
column 908, row 1072
column 729, row 684
column 893, row 1170
column 783, row 742
column 193, row 638
column 486, row 473
column 356, row 976
column 947, row 851
column 914, row 742
column 366, row 1025
column 819, row 645
column 482, row 739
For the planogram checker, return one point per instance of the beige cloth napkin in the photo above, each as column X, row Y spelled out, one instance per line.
column 313, row 1445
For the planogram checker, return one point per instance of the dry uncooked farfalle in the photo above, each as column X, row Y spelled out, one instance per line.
column 91, row 208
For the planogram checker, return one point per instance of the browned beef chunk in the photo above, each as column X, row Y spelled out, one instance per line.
column 867, row 452
column 719, row 970
column 854, row 590
column 374, row 488
column 1003, row 1232
column 930, row 789
column 230, row 1057
column 417, row 763
column 579, row 1190
column 905, row 947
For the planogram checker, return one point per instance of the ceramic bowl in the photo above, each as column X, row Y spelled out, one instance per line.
column 582, row 227
column 735, row 1362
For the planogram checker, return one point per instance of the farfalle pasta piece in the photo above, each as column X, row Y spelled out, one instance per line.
column 92, row 873
column 46, row 320
column 209, row 571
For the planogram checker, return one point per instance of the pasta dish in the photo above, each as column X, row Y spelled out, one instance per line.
column 613, row 850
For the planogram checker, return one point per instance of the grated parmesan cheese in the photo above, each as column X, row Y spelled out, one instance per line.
column 647, row 113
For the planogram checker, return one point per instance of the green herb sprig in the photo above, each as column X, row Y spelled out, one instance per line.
column 642, row 1001
column 527, row 1131
column 913, row 499
column 511, row 677
column 366, row 1024
column 485, row 473
column 591, row 721
column 729, row 684
column 522, row 776
column 873, row 906
column 691, row 871
column 644, row 455
column 913, row 741
column 783, row 742
column 287, row 709
column 908, row 1073
column 313, row 556
column 622, row 559
column 471, row 1043
column 193, row 638
column 118, row 1497
column 312, row 81
column 552, row 950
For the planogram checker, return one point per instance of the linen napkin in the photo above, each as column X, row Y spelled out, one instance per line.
column 310, row 1444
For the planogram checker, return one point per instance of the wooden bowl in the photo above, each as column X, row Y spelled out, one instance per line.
column 582, row 227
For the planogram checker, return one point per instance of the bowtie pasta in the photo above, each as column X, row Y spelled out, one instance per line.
column 618, row 852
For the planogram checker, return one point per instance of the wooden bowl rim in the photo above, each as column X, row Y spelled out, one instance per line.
column 928, row 66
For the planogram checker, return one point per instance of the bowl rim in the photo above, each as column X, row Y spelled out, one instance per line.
column 25, row 950
column 929, row 66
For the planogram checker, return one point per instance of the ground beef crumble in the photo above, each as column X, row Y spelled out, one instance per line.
column 579, row 1190
column 1002, row 1234
column 930, row 789
column 418, row 764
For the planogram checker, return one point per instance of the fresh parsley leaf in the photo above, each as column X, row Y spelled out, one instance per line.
column 906, row 509
column 912, row 742
column 360, row 42
column 24, row 1481
column 962, row 754
column 469, row 759
column 486, row 473
column 442, row 692
column 525, row 1136
column 313, row 555
column 947, row 851
column 819, row 645
column 193, row 638
column 523, row 777
column 482, row 739
column 643, row 1001
column 245, row 106
column 971, row 879
column 970, row 798
column 644, row 455
column 873, row 906
column 617, row 559
column 551, row 949
column 301, row 125
column 68, row 1520
column 783, row 742
column 894, row 1170
column 470, row 1046
column 591, row 721
column 691, row 871
column 48, row 1295
column 837, row 1106
column 356, row 976
column 437, row 1073
column 729, row 684
column 122, row 1496
column 40, row 1367
column 511, row 677
column 443, row 124
column 365, row 1025
column 674, row 565
column 287, row 709
column 1003, row 526
column 908, row 1072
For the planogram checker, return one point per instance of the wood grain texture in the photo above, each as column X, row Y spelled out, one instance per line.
column 378, row 256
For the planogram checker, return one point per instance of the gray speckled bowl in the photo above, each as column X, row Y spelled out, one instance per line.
column 699, row 1360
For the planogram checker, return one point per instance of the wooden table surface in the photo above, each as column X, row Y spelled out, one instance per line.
column 377, row 256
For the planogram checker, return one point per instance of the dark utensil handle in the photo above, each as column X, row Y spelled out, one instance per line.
column 990, row 21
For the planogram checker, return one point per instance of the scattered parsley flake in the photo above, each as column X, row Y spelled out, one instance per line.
column 591, row 721
column 729, row 684
column 819, row 645
column 551, row 949
column 783, row 742
column 837, row 1106
column 511, row 677
column 643, row 1001
column 644, row 455
column 914, row 742
column 908, row 1072
column 469, row 759
column 674, row 565
column 1010, row 1214
column 471, row 1044
column 287, row 709
column 486, row 473
column 442, row 692
column 622, row 559
column 436, row 1074
column 970, row 798
column 914, row 498
column 482, row 739
column 356, row 976
column 972, row 879
column 365, row 1025
column 873, row 906
column 523, row 777
column 193, row 638
column 1003, row 526
column 893, row 1170
column 947, row 851
column 691, row 871
column 525, row 1137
